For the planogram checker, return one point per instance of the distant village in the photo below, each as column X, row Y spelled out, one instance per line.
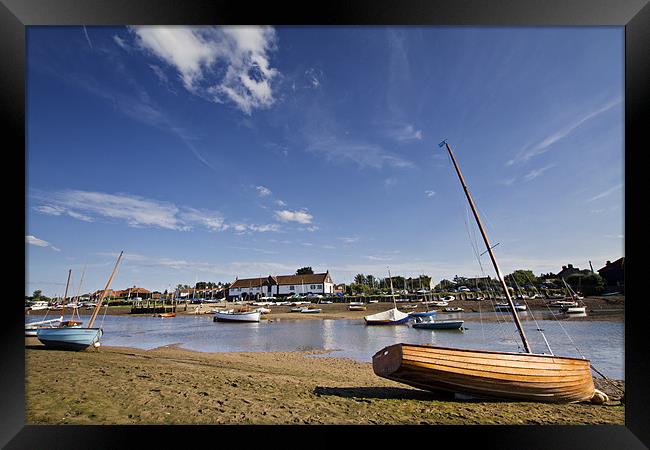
column 306, row 283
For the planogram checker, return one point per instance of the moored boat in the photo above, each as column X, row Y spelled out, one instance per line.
column 506, row 307
column 69, row 338
column 432, row 324
column 391, row 317
column 574, row 309
column 357, row 307
column 234, row 316
column 452, row 309
column 310, row 310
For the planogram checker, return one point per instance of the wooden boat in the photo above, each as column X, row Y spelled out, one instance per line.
column 310, row 310
column 357, row 308
column 77, row 338
column 168, row 314
column 498, row 375
column 491, row 374
column 453, row 309
column 431, row 324
column 234, row 316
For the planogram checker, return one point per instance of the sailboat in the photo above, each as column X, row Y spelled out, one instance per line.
column 31, row 329
column 77, row 338
column 392, row 316
column 516, row 376
column 428, row 312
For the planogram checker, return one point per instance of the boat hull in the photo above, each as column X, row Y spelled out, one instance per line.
column 423, row 314
column 486, row 374
column 69, row 338
column 237, row 317
column 440, row 325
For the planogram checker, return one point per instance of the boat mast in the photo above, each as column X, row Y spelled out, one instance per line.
column 391, row 287
column 489, row 249
column 65, row 296
column 101, row 300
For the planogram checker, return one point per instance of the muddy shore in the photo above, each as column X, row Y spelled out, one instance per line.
column 598, row 308
column 168, row 385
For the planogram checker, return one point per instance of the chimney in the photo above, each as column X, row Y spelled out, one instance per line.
column 570, row 266
column 563, row 267
column 608, row 263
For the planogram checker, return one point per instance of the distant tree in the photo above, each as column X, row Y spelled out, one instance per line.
column 588, row 284
column 522, row 277
column 444, row 285
column 37, row 294
column 360, row 279
column 305, row 271
column 460, row 281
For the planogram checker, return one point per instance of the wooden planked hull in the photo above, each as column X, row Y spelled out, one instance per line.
column 496, row 375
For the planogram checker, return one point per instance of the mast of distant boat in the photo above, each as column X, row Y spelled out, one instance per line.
column 101, row 300
column 489, row 249
column 391, row 288
column 65, row 296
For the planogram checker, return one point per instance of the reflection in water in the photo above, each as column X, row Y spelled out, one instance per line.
column 600, row 341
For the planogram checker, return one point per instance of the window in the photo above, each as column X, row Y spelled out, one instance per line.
column 291, row 288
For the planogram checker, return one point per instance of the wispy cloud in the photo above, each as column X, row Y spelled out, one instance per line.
column 405, row 133
column 537, row 172
column 90, row 44
column 430, row 193
column 349, row 240
column 240, row 54
column 263, row 191
column 606, row 193
column 33, row 240
column 137, row 212
column 294, row 216
column 545, row 145
column 362, row 153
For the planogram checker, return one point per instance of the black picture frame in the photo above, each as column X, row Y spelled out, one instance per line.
column 634, row 15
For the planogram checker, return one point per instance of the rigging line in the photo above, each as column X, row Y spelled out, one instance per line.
column 565, row 332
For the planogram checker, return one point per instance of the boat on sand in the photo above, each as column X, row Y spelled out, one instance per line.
column 524, row 376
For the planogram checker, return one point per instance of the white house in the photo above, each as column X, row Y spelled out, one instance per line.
column 282, row 285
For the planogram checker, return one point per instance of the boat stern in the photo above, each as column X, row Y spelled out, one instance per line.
column 387, row 360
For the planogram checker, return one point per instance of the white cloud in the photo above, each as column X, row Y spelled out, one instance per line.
column 294, row 216
column 32, row 240
column 137, row 211
column 430, row 193
column 238, row 54
column 280, row 203
column 362, row 153
column 537, row 172
column 263, row 191
column 406, row 133
column 544, row 145
column 606, row 193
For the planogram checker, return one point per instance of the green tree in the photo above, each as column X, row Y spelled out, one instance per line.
column 37, row 294
column 588, row 284
column 521, row 277
column 304, row 271
column 360, row 279
column 444, row 285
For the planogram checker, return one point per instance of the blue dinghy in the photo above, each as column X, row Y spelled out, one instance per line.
column 69, row 338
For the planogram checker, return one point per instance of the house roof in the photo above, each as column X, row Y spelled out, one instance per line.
column 281, row 280
column 618, row 264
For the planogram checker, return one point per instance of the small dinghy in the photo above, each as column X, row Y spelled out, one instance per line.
column 431, row 324
column 452, row 309
column 506, row 307
column 233, row 316
column 357, row 308
column 574, row 309
column 310, row 310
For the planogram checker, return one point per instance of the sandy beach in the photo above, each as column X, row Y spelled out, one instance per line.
column 169, row 385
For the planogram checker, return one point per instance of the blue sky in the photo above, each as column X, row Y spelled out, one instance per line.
column 215, row 152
